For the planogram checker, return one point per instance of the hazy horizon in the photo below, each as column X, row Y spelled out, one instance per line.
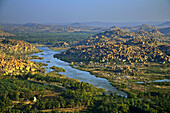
column 66, row 11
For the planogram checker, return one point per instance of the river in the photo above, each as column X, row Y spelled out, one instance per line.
column 74, row 73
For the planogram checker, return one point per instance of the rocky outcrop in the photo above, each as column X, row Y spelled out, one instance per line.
column 13, row 57
column 5, row 34
column 120, row 46
column 12, row 66
column 17, row 47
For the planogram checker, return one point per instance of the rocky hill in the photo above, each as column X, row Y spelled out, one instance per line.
column 123, row 58
column 121, row 46
column 16, row 47
column 13, row 66
column 119, row 35
column 144, row 27
column 13, row 57
column 5, row 34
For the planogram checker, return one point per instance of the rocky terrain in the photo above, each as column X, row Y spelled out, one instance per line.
column 116, row 34
column 5, row 34
column 14, row 59
column 123, row 57
column 16, row 47
column 131, row 61
column 123, row 46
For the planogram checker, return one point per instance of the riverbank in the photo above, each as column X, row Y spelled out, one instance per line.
column 97, row 75
column 125, row 76
column 52, row 92
column 129, row 83
column 74, row 73
column 58, row 48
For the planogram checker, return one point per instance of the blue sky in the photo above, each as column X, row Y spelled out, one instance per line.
column 60, row 11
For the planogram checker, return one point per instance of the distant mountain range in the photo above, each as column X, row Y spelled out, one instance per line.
column 164, row 25
column 118, row 24
column 86, row 27
column 34, row 27
column 165, row 30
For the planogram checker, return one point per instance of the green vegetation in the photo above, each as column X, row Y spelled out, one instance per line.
column 16, row 89
column 42, row 64
column 55, row 92
column 57, row 69
column 125, row 58
column 51, row 38
column 58, row 48
column 36, row 57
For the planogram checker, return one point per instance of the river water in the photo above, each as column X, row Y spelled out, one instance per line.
column 74, row 73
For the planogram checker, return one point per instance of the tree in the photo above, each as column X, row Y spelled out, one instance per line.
column 57, row 69
column 115, row 95
column 55, row 111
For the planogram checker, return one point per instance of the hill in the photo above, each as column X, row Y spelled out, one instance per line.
column 5, row 34
column 119, row 24
column 165, row 30
column 34, row 27
column 120, row 35
column 117, row 54
column 119, row 45
column 13, row 57
column 144, row 27
column 131, row 61
column 164, row 25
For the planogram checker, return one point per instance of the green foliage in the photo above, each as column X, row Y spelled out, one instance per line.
column 57, row 69
column 50, row 38
column 36, row 57
column 42, row 64
column 76, row 94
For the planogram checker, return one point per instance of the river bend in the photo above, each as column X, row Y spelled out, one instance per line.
column 74, row 73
